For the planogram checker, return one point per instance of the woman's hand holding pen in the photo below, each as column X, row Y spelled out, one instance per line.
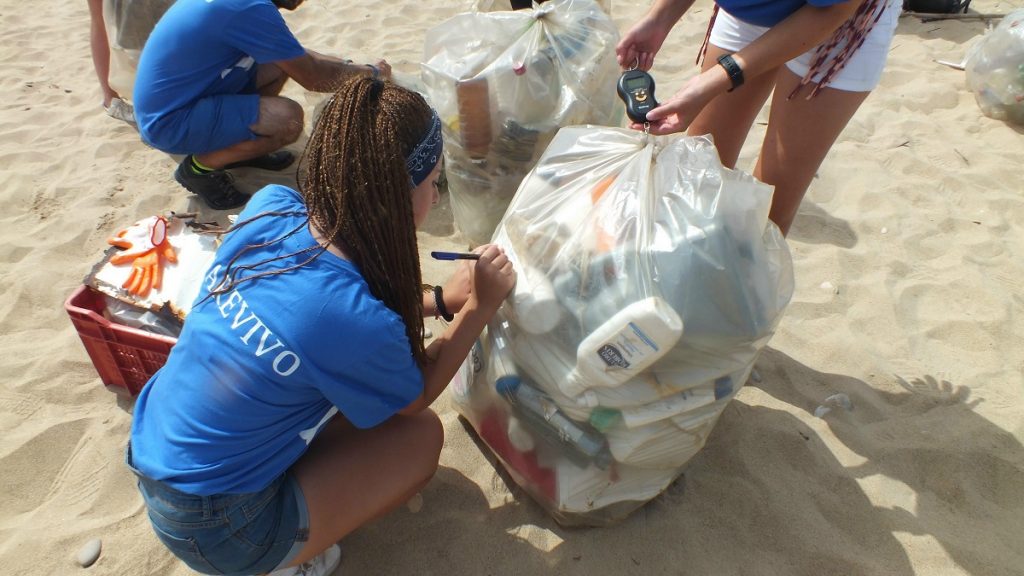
column 459, row 287
column 493, row 277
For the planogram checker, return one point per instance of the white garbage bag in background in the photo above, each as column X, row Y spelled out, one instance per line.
column 995, row 70
column 503, row 83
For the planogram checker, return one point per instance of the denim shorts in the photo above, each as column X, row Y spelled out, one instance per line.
column 221, row 117
column 229, row 533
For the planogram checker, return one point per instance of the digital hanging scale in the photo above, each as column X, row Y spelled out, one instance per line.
column 636, row 88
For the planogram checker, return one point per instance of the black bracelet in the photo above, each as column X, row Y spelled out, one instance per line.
column 439, row 308
column 732, row 69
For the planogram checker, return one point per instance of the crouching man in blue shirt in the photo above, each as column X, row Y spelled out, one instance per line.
column 208, row 87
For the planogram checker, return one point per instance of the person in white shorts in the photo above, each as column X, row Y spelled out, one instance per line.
column 822, row 58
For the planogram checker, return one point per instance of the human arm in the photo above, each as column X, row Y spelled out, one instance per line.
column 456, row 291
column 100, row 48
column 261, row 32
column 321, row 73
column 493, row 279
column 806, row 28
column 643, row 40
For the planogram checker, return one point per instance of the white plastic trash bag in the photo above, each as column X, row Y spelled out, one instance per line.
column 503, row 83
column 506, row 5
column 995, row 70
column 649, row 279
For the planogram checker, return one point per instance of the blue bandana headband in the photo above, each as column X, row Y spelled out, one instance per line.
column 424, row 157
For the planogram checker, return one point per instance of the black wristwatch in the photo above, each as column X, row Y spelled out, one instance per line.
column 732, row 69
column 439, row 307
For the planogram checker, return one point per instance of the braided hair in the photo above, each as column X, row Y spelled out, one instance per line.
column 357, row 191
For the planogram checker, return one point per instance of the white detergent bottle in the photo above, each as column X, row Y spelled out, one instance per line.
column 668, row 407
column 533, row 301
column 544, row 362
column 624, row 346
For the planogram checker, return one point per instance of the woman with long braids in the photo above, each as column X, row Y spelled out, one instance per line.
column 822, row 58
column 295, row 406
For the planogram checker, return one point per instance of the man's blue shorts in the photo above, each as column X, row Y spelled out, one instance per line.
column 229, row 533
column 221, row 118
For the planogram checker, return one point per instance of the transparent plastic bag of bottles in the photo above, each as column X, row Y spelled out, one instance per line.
column 503, row 83
column 128, row 24
column 648, row 280
column 995, row 70
column 506, row 5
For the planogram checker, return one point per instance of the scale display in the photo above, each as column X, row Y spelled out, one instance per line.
column 636, row 88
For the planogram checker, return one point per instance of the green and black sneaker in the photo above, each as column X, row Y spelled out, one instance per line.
column 215, row 187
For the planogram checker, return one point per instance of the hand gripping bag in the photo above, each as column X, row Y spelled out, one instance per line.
column 649, row 279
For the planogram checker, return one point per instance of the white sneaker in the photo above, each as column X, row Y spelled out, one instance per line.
column 323, row 564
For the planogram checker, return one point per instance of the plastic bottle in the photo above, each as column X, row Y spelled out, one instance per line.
column 593, row 289
column 667, row 407
column 516, row 144
column 579, row 443
column 533, row 89
column 542, row 360
column 474, row 103
column 547, row 364
column 519, row 436
column 643, row 389
column 660, row 445
column 501, row 366
column 723, row 387
column 533, row 300
column 624, row 346
column 602, row 418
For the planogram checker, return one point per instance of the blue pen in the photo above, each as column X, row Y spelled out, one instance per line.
column 454, row 256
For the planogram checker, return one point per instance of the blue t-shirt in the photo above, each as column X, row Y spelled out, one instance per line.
column 199, row 43
column 257, row 372
column 768, row 12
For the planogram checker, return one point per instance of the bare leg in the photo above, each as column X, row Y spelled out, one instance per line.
column 350, row 477
column 100, row 48
column 799, row 136
column 728, row 117
column 270, row 80
column 279, row 124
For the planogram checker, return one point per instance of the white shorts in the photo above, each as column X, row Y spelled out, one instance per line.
column 860, row 74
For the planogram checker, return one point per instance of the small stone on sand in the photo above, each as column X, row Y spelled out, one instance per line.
column 415, row 503
column 428, row 333
column 89, row 553
column 829, row 287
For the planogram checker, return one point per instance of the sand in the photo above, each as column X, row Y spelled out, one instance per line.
column 909, row 255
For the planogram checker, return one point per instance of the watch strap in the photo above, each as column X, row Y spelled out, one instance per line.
column 732, row 69
column 439, row 306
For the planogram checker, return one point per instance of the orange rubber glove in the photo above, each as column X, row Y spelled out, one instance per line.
column 146, row 247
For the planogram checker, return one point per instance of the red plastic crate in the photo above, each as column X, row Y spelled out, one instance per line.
column 124, row 357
